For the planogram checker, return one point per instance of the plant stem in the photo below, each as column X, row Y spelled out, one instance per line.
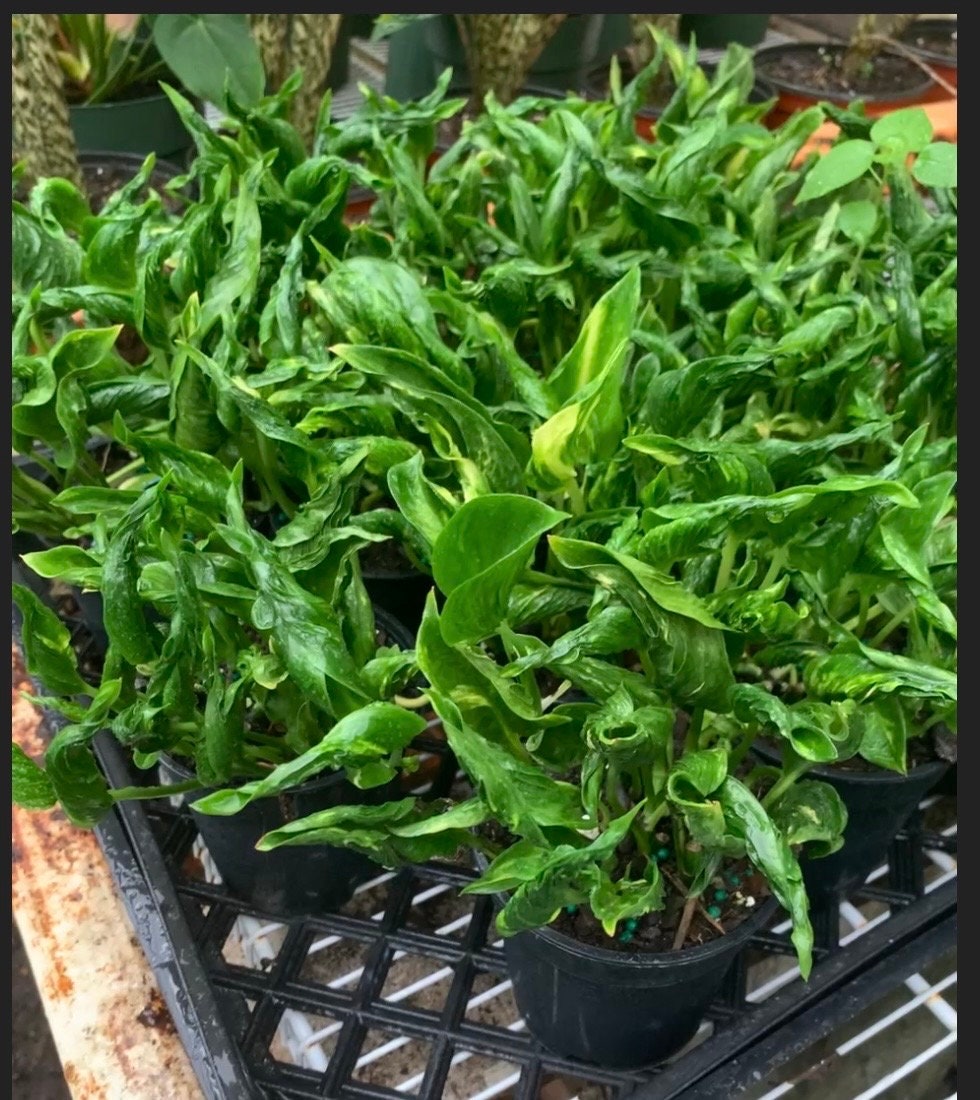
column 775, row 567
column 576, row 497
column 126, row 794
column 895, row 621
column 114, row 479
column 728, row 553
column 694, row 730
column 785, row 781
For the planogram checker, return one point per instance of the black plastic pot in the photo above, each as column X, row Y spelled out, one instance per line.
column 878, row 805
column 400, row 592
column 615, row 1009
column 290, row 881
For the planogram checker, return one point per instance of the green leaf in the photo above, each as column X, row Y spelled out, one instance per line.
column 604, row 337
column 885, row 734
column 123, row 613
column 370, row 734
column 907, row 130
column 407, row 831
column 859, row 672
column 857, row 220
column 568, row 876
column 208, row 52
column 811, row 813
column 935, row 166
column 68, row 564
column 520, row 795
column 478, row 557
column 30, row 785
column 48, row 652
column 817, row 731
column 82, row 790
column 426, row 506
column 838, row 167
column 769, row 851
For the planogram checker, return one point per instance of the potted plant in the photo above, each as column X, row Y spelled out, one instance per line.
column 934, row 42
column 668, row 83
column 42, row 138
column 499, row 52
column 113, row 65
column 617, row 818
column 229, row 655
column 864, row 68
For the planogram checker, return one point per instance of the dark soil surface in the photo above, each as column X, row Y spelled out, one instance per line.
column 385, row 559
column 932, row 38
column 734, row 894
column 820, row 72
column 101, row 180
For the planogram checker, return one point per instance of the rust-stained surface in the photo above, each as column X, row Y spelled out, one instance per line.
column 112, row 1029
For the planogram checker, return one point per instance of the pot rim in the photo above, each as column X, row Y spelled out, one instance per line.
column 936, row 23
column 153, row 97
column 129, row 160
column 647, row 960
column 317, row 782
column 878, row 777
column 782, row 86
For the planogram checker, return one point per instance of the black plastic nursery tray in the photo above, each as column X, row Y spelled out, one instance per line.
column 404, row 991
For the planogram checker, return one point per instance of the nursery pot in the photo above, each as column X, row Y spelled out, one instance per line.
column 99, row 164
column 923, row 38
column 359, row 203
column 878, row 805
column 570, row 53
column 402, row 593
column 149, row 124
column 289, row 881
column 715, row 32
column 796, row 95
column 616, row 1009
column 292, row 880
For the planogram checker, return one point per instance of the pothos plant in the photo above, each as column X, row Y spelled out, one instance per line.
column 226, row 650
column 596, row 802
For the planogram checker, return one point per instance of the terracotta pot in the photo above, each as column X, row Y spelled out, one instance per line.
column 798, row 97
column 359, row 203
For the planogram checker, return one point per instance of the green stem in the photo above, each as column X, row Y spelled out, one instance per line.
column 114, row 479
column 895, row 621
column 775, row 567
column 738, row 754
column 576, row 497
column 694, row 730
column 852, row 624
column 127, row 794
column 728, row 553
column 785, row 781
